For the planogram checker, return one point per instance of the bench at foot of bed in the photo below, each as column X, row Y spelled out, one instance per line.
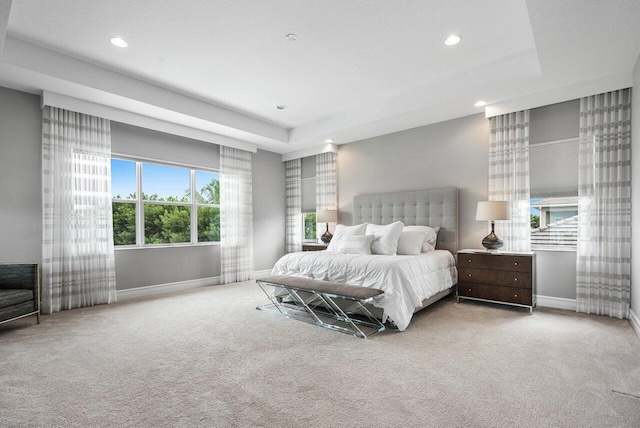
column 317, row 304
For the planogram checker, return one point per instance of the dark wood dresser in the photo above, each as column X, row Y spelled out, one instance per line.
column 313, row 247
column 499, row 277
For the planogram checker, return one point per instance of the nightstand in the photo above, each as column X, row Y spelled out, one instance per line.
column 313, row 247
column 498, row 277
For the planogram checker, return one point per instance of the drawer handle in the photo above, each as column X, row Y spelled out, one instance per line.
column 516, row 280
column 469, row 289
column 515, row 264
column 515, row 295
column 469, row 275
column 469, row 260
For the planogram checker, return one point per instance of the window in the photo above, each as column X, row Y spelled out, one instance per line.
column 309, row 227
column 554, row 193
column 208, row 205
column 166, row 196
column 123, row 189
column 161, row 204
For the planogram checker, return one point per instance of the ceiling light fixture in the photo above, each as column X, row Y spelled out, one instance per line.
column 281, row 107
column 328, row 140
column 291, row 37
column 119, row 42
column 480, row 103
column 453, row 39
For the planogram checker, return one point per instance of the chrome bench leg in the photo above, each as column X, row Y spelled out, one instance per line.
column 329, row 315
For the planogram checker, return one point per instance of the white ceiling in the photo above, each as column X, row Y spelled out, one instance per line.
column 358, row 69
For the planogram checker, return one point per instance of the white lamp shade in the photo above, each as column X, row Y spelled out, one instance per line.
column 327, row 216
column 493, row 210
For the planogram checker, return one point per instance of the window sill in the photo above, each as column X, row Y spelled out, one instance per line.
column 153, row 247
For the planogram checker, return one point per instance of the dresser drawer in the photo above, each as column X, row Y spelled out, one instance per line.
column 313, row 247
column 521, row 296
column 495, row 277
column 495, row 261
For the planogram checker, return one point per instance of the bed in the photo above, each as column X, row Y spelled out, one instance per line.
column 410, row 283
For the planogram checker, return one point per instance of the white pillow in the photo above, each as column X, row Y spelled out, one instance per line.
column 430, row 239
column 342, row 231
column 386, row 237
column 356, row 244
column 410, row 242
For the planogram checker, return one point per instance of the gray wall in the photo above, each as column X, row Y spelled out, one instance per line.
column 555, row 122
column 139, row 267
column 635, row 192
column 556, row 274
column 20, row 177
column 454, row 153
column 268, row 209
column 146, row 143
column 20, row 197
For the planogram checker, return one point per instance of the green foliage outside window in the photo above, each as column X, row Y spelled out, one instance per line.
column 124, row 223
column 208, row 224
column 209, row 194
column 310, row 226
column 209, row 217
column 535, row 221
column 168, row 223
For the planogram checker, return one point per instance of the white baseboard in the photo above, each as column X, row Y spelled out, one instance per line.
column 261, row 273
column 556, row 302
column 152, row 290
column 635, row 322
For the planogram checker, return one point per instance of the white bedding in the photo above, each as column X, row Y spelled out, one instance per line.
column 405, row 280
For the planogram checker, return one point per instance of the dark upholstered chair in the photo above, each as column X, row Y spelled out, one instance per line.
column 19, row 291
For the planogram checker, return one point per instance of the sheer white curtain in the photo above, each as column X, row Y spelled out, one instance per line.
column 236, row 215
column 604, row 205
column 78, row 267
column 293, row 208
column 509, row 177
column 326, row 185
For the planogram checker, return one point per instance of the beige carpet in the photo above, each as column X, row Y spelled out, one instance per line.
column 207, row 358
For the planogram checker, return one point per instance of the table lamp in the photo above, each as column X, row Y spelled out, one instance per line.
column 327, row 216
column 492, row 211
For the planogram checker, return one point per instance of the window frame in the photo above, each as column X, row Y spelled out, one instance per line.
column 139, row 202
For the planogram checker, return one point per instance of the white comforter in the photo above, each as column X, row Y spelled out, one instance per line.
column 405, row 280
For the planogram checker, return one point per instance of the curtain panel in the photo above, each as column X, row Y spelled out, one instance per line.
column 236, row 215
column 78, row 267
column 326, row 185
column 326, row 182
column 603, row 281
column 509, row 177
column 293, row 208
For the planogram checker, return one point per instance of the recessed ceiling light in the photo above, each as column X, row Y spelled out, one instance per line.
column 291, row 37
column 480, row 104
column 453, row 39
column 281, row 107
column 119, row 42
column 328, row 140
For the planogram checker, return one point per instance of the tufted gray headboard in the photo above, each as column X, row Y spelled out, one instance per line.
column 431, row 207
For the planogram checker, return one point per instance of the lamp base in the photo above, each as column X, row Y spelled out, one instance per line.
column 492, row 241
column 326, row 236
